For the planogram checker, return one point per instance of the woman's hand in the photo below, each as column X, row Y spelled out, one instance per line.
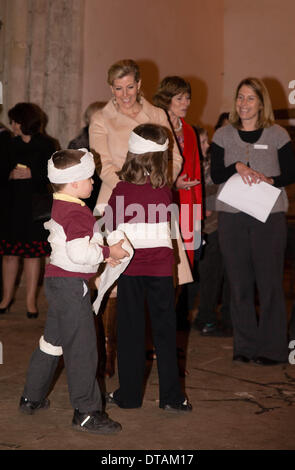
column 268, row 180
column 20, row 173
column 181, row 184
column 250, row 176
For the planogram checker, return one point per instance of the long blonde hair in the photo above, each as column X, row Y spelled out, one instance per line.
column 265, row 116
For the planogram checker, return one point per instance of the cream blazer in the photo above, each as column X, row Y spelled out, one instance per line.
column 109, row 133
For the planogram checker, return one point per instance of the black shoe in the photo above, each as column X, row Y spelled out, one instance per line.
column 29, row 407
column 240, row 358
column 96, row 422
column 182, row 407
column 264, row 361
column 32, row 314
column 6, row 309
column 110, row 400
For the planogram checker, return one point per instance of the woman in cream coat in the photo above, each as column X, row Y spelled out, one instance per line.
column 109, row 133
column 111, row 127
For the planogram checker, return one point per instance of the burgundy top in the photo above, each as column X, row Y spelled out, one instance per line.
column 77, row 222
column 146, row 261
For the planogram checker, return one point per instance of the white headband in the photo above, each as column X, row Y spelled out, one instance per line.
column 139, row 145
column 81, row 171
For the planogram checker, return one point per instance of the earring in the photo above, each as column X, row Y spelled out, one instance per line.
column 114, row 100
column 139, row 97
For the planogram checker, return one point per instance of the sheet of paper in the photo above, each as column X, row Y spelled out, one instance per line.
column 256, row 200
column 111, row 274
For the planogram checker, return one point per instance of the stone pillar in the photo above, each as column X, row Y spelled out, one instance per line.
column 13, row 37
column 41, row 48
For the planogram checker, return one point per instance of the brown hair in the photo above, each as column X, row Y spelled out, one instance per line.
column 265, row 116
column 168, row 88
column 65, row 159
column 137, row 167
column 121, row 69
column 201, row 130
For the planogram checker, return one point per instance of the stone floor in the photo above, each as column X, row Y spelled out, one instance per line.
column 236, row 406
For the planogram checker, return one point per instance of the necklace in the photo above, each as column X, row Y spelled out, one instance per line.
column 180, row 126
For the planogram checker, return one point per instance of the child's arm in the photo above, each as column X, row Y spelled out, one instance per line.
column 82, row 246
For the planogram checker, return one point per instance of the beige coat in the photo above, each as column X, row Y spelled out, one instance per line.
column 109, row 133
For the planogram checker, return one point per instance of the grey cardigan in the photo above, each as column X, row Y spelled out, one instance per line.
column 262, row 156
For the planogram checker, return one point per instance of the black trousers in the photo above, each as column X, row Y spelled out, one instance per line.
column 69, row 324
column 213, row 282
column 254, row 256
column 159, row 293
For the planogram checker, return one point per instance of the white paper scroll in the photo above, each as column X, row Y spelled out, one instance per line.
column 256, row 200
column 111, row 274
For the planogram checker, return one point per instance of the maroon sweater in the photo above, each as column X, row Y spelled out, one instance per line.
column 146, row 261
column 77, row 222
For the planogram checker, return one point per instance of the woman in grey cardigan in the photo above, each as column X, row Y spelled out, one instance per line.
column 259, row 150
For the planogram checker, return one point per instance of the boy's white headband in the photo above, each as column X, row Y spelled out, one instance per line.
column 81, row 171
column 139, row 145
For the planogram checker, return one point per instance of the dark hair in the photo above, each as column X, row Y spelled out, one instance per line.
column 65, row 159
column 220, row 122
column 201, row 130
column 137, row 167
column 28, row 115
column 169, row 87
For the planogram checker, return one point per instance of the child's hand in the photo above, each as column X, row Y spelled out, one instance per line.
column 112, row 262
column 117, row 252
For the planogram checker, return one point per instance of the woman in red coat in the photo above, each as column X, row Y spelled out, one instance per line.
column 174, row 96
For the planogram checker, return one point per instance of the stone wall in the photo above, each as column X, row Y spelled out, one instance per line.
column 41, row 52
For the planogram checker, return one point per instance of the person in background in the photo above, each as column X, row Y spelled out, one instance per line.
column 21, row 236
column 212, row 279
column 222, row 120
column 82, row 141
column 256, row 148
column 5, row 136
column 174, row 96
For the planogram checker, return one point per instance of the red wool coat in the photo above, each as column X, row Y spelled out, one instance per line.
column 187, row 199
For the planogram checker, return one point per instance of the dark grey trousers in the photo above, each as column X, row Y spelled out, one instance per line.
column 253, row 253
column 69, row 324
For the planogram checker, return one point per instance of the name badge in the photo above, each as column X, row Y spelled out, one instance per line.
column 260, row 146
